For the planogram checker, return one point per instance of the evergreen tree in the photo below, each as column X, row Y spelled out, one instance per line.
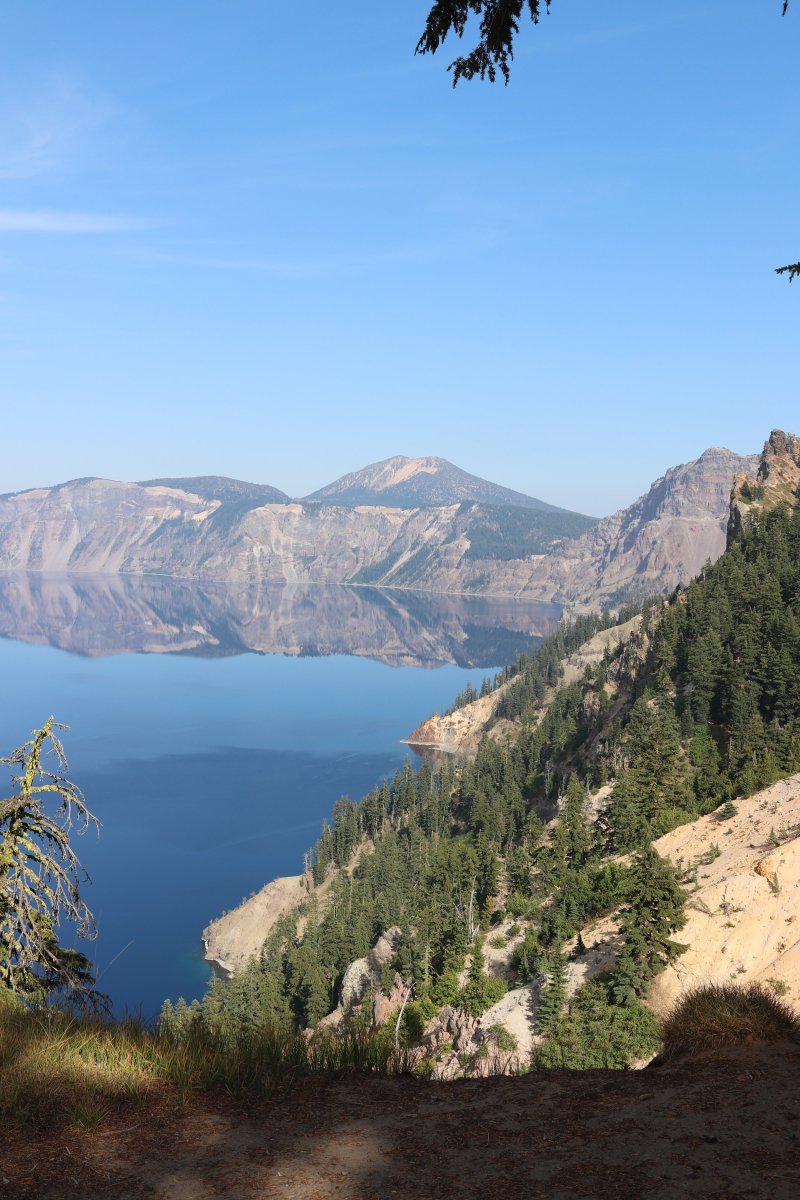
column 655, row 909
column 553, row 995
column 576, row 825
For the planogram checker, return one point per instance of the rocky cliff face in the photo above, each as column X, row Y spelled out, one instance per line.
column 91, row 525
column 776, row 481
column 99, row 526
column 663, row 539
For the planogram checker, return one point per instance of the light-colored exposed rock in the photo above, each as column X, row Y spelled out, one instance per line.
column 385, row 1006
column 407, row 482
column 744, row 917
column 744, row 911
column 516, row 1011
column 357, row 982
column 364, row 978
column 461, row 730
column 364, row 974
column 230, row 940
column 662, row 539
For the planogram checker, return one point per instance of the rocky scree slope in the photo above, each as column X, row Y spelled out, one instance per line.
column 662, row 539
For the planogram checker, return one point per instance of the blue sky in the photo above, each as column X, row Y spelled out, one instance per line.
column 238, row 240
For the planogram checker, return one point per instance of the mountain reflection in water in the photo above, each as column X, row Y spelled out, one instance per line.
column 123, row 614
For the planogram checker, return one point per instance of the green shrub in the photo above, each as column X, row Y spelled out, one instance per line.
column 525, row 957
column 595, row 1033
column 518, row 905
column 718, row 1015
column 480, row 994
column 503, row 1038
column 415, row 1018
column 445, row 989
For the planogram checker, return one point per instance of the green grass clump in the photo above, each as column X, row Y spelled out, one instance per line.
column 720, row 1015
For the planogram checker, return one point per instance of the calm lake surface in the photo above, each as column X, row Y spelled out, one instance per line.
column 212, row 729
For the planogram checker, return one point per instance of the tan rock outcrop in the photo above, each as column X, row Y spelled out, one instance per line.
column 775, row 482
column 744, row 916
column 364, row 975
column 230, row 940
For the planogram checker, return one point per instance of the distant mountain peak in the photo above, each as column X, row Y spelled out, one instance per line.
column 424, row 482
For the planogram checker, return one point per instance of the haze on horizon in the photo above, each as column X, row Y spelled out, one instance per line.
column 231, row 247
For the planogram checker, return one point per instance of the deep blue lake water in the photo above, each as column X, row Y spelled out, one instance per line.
column 210, row 758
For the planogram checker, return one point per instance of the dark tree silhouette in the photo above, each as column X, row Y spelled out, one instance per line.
column 498, row 27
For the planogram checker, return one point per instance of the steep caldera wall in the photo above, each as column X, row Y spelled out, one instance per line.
column 100, row 526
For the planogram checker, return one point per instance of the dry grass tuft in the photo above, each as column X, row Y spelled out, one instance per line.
column 55, row 1067
column 720, row 1015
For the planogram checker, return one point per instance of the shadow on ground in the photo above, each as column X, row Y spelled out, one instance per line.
column 720, row 1127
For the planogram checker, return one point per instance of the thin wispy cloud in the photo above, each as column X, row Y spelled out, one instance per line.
column 45, row 127
column 12, row 221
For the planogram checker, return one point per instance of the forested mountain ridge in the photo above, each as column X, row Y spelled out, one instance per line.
column 473, row 716
column 103, row 527
column 220, row 487
column 486, row 877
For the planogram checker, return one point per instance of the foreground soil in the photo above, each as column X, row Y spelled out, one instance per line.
column 717, row 1127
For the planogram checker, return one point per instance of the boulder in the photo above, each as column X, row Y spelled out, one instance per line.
column 356, row 983
column 364, row 975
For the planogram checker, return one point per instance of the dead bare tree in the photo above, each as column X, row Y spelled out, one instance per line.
column 40, row 876
column 466, row 913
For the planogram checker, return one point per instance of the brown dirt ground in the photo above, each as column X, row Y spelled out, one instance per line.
column 719, row 1127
